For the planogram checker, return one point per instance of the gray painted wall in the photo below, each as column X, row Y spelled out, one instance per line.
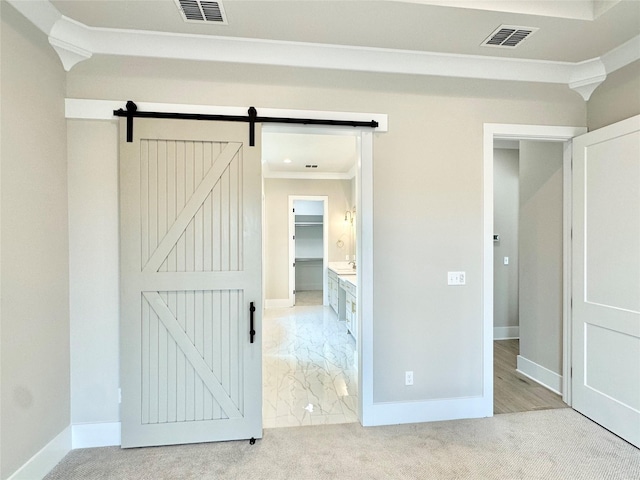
column 540, row 253
column 505, row 223
column 34, row 304
column 93, row 264
column 616, row 99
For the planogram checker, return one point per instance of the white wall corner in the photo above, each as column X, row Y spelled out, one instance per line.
column 90, row 435
column 540, row 374
column 48, row 457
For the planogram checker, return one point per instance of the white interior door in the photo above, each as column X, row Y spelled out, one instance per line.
column 606, row 277
column 190, row 250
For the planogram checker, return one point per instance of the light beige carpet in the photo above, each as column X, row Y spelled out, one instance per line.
column 550, row 444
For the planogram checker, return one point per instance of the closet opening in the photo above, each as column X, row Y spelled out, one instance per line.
column 308, row 249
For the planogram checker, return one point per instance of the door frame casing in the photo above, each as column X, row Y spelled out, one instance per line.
column 564, row 134
column 292, row 244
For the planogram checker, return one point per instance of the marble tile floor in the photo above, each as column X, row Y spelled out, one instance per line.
column 309, row 368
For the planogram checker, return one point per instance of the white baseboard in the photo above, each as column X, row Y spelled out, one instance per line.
column 394, row 413
column 48, row 457
column 540, row 374
column 89, row 435
column 277, row 303
column 506, row 333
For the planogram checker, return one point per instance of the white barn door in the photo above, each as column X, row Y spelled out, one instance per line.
column 190, row 266
column 606, row 277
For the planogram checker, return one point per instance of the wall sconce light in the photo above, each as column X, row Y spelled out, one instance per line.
column 349, row 216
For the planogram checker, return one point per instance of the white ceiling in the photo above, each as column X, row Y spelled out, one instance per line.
column 416, row 25
column 334, row 155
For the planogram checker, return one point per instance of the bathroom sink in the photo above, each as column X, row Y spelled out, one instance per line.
column 345, row 271
column 342, row 268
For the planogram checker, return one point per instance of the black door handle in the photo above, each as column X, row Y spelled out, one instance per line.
column 252, row 332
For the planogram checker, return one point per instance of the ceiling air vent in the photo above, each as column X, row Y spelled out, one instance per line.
column 508, row 36
column 202, row 11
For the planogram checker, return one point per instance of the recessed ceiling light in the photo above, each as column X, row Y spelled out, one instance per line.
column 287, row 160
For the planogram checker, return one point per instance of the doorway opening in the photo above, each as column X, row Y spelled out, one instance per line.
column 310, row 356
column 528, row 285
column 308, row 249
column 515, row 328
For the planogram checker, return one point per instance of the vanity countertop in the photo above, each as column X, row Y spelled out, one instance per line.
column 342, row 268
column 351, row 278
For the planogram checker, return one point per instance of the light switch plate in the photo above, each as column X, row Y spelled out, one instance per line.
column 456, row 278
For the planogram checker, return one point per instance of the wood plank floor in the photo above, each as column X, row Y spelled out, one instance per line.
column 513, row 392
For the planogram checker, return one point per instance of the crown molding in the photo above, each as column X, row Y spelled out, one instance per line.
column 74, row 42
column 587, row 86
column 587, row 76
column 69, row 54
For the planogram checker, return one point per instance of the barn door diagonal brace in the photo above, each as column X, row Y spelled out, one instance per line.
column 251, row 118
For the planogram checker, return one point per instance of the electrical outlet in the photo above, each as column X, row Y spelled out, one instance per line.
column 347, row 258
column 408, row 378
column 506, row 260
column 456, row 278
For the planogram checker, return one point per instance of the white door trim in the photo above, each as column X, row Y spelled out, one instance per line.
column 292, row 244
column 493, row 131
column 364, row 249
column 567, row 256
